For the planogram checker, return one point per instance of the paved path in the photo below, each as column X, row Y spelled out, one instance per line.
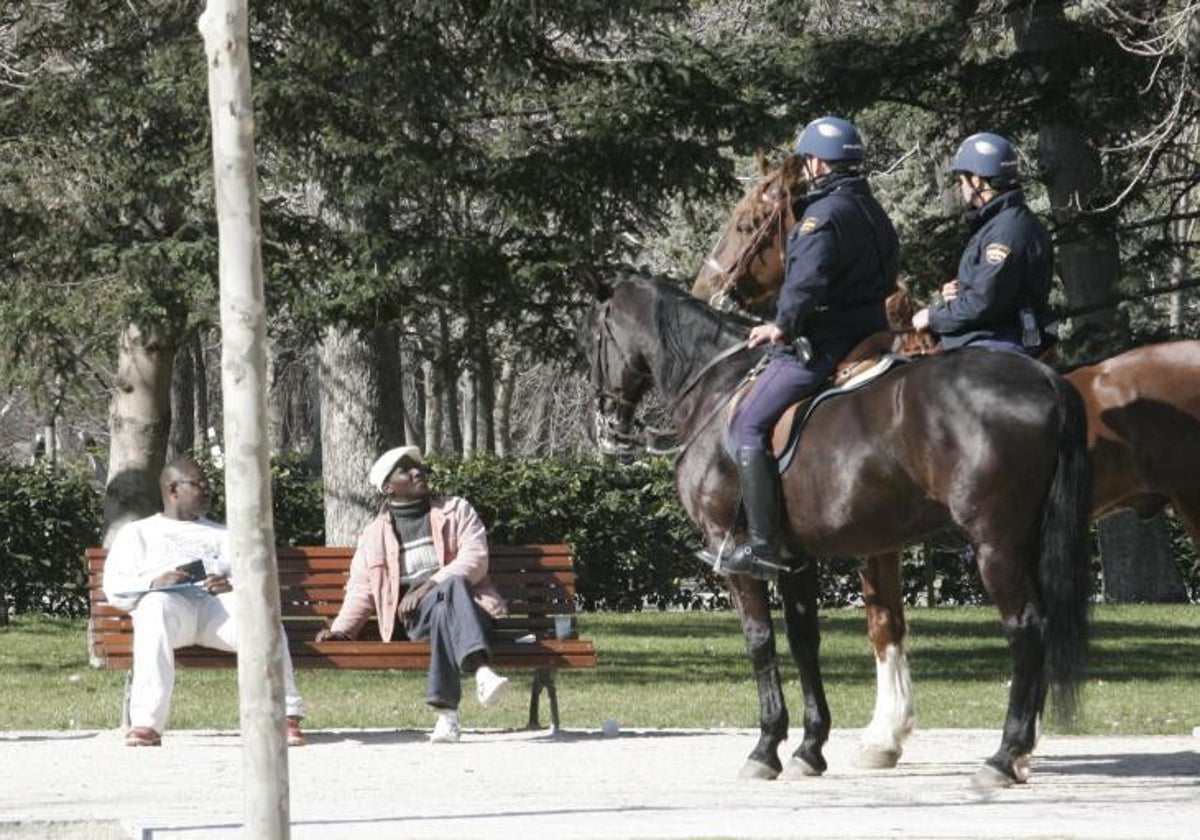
column 655, row 783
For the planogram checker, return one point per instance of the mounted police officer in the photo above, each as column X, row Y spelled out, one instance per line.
column 842, row 258
column 1001, row 296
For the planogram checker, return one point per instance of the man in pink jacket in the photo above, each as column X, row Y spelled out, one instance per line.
column 437, row 552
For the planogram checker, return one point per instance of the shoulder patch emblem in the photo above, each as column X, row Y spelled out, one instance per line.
column 809, row 224
column 996, row 252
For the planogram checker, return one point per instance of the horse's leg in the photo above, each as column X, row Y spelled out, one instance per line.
column 895, row 716
column 1187, row 508
column 1024, row 627
column 750, row 598
column 799, row 593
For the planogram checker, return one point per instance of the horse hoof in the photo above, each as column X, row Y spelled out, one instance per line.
column 988, row 777
column 757, row 770
column 874, row 758
column 798, row 768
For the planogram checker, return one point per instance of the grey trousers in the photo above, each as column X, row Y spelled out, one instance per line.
column 456, row 628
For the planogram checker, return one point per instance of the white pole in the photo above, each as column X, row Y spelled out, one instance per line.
column 243, row 387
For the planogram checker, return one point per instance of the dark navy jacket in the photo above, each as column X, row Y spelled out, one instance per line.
column 1008, row 265
column 842, row 258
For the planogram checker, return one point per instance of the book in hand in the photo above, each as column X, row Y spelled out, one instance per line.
column 195, row 576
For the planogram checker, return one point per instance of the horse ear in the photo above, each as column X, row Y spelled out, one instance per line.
column 764, row 166
column 599, row 287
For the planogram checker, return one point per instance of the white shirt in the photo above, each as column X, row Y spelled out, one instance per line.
column 146, row 548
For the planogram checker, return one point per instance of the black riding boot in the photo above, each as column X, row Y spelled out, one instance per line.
column 757, row 557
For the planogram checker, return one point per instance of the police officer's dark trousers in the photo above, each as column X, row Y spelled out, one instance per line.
column 785, row 380
column 457, row 631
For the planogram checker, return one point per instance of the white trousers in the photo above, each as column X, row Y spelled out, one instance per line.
column 164, row 621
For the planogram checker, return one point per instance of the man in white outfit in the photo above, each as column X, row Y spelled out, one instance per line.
column 147, row 573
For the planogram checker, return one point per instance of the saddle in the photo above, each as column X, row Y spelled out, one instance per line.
column 869, row 360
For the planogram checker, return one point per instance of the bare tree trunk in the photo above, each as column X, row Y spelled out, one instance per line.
column 139, row 417
column 183, row 402
column 1088, row 252
column 361, row 417
column 1087, row 249
column 200, row 379
column 469, row 390
column 504, row 401
column 1124, row 535
column 244, row 384
column 449, row 380
column 485, row 396
column 431, row 382
column 414, row 399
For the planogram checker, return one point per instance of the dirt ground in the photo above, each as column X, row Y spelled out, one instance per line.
column 581, row 783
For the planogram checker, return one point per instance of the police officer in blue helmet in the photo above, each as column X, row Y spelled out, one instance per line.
column 1000, row 298
column 842, row 258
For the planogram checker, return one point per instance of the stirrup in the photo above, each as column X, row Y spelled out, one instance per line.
column 735, row 563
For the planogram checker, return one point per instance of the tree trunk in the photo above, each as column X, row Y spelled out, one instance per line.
column 200, row 376
column 361, row 417
column 504, row 402
column 485, row 397
column 1128, row 546
column 183, row 402
column 469, row 390
column 244, row 384
column 139, row 417
column 1087, row 249
column 431, row 382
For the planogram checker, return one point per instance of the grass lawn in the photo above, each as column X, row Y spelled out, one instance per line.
column 664, row 669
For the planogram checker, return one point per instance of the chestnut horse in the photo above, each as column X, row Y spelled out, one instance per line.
column 1143, row 419
column 989, row 444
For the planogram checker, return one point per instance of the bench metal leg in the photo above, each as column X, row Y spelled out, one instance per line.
column 543, row 678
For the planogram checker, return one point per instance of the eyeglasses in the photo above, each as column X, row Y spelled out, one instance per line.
column 203, row 485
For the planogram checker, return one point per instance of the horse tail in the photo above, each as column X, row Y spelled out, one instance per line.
column 1063, row 572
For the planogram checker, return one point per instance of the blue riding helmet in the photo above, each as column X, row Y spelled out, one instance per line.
column 989, row 156
column 830, row 138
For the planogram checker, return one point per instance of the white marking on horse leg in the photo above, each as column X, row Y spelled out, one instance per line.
column 895, row 714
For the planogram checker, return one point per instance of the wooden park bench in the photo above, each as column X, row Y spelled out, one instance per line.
column 537, row 581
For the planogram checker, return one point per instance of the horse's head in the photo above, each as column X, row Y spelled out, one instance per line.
column 746, row 266
column 620, row 374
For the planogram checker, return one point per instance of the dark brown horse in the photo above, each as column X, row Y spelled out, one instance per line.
column 989, row 444
column 1143, row 418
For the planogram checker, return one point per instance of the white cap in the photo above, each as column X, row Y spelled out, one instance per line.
column 386, row 462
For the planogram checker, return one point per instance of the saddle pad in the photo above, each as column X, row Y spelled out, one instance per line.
column 786, row 435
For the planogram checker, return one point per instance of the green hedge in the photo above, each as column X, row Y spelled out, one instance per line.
column 47, row 517
column 635, row 546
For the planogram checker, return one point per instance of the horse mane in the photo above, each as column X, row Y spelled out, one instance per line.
column 901, row 306
column 691, row 332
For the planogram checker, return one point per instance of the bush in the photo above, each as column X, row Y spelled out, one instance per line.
column 47, row 517
column 633, row 543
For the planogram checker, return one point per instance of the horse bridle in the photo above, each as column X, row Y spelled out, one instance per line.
column 614, row 435
column 723, row 298
column 618, row 437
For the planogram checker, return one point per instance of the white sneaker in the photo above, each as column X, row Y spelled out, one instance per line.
column 490, row 687
column 446, row 730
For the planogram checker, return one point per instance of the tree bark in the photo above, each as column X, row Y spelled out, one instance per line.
column 1087, row 249
column 470, row 392
column 361, row 417
column 225, row 28
column 139, row 418
column 183, row 402
column 504, row 403
column 1127, row 543
column 200, row 375
column 431, row 382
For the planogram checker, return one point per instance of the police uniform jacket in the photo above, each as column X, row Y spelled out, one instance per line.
column 1008, row 265
column 841, row 266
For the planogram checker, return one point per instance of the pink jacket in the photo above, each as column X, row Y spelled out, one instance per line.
column 374, row 585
